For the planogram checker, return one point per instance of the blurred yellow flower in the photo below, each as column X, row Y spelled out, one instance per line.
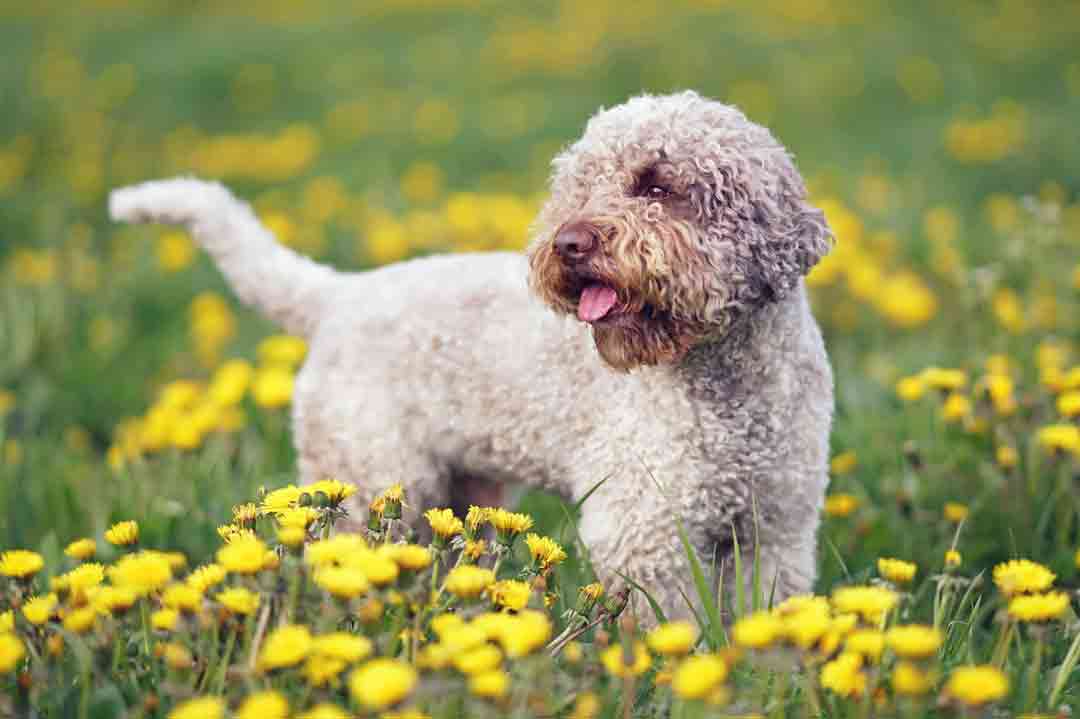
column 757, row 630
column 906, row 301
column 1007, row 457
column 1039, row 607
column 282, row 350
column 843, row 463
column 544, row 550
column 199, row 708
column 112, row 600
column 867, row 643
column 1068, row 403
column 910, row 389
column 272, row 387
column 976, row 685
column 896, row 570
column 325, row 711
column 870, row 602
column 468, row 581
column 123, row 533
column 286, row 646
column 230, row 382
column 952, row 558
column 492, row 684
column 443, row 523
column 182, row 597
column 342, row 582
column 264, row 705
column 175, row 251
column 1059, row 437
column 165, row 619
column 944, row 379
column 841, row 504
column 592, row 592
column 1009, row 311
column 20, row 563
column 81, row 620
column 238, row 600
column 1020, row 576
column 525, row 633
column 81, row 549
column 510, row 594
column 696, row 677
column 206, row 576
column 673, row 638
column 143, row 572
column 382, row 683
column 913, row 641
column 12, row 650
column 636, row 663
column 37, row 610
column 483, row 658
column 956, row 407
column 909, row 679
column 844, row 675
column 243, row 555
column 344, row 646
column 955, row 512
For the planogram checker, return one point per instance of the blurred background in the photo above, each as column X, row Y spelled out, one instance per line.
column 940, row 138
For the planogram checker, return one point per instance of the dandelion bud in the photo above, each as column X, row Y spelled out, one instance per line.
column 321, row 499
column 304, row 500
column 602, row 638
column 55, row 645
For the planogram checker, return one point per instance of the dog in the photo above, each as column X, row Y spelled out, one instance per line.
column 654, row 346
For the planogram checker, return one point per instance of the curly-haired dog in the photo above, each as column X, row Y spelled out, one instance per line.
column 676, row 354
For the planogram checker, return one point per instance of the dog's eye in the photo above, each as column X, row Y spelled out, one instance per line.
column 656, row 192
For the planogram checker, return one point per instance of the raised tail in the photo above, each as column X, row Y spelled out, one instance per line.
column 288, row 288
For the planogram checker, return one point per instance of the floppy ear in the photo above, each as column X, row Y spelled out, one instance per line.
column 791, row 236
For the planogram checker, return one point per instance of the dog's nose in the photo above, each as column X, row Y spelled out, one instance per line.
column 576, row 241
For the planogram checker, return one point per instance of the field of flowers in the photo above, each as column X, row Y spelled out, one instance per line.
column 155, row 559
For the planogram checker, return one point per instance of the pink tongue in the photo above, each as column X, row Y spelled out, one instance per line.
column 596, row 301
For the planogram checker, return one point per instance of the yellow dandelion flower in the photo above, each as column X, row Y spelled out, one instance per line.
column 844, row 675
column 544, row 550
column 112, row 600
column 524, row 633
column 910, row 389
column 1039, row 607
column 491, row 685
column 342, row 582
column 592, row 592
column 394, row 493
column 805, row 626
column 896, row 570
column 843, row 463
column 199, row 708
column 840, row 504
column 955, row 512
column 757, row 630
column 586, row 706
column 81, row 620
column 264, row 705
column 483, row 658
column 165, row 619
column 123, row 534
column 335, row 550
column 7, row 621
column 408, row 557
column 474, row 549
column 510, row 594
column 952, row 559
column 1019, row 576
column 944, row 379
column 245, row 513
column 477, row 516
column 870, row 602
column 672, row 639
column 320, row 671
column 80, row 579
column 913, row 641
column 335, row 490
column 238, row 600
column 244, row 555
column 1068, row 403
column 1059, row 438
column 698, row 676
column 12, row 650
column 908, row 679
column 176, row 656
column 37, row 610
column 292, row 537
column 635, row 664
column 467, row 581
column 443, row 523
column 20, row 563
column 956, row 407
column 230, row 533
column 442, row 624
column 282, row 350
column 182, row 597
column 272, row 386
column 143, row 573
column 382, row 683
column 867, row 643
column 301, row 517
column 378, row 568
column 325, row 711
column 1007, row 457
column 206, row 576
column 81, row 549
column 509, row 524
column 286, row 646
column 280, row 499
column 976, row 685
column 344, row 646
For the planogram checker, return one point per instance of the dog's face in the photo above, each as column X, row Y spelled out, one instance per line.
column 670, row 218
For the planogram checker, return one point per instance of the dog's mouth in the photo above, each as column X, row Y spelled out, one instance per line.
column 598, row 304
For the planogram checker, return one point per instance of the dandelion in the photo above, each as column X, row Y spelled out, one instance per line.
column 143, row 572
column 286, row 646
column 910, row 389
column 896, row 570
column 492, row 684
column 20, row 563
column 509, row 525
column 475, row 517
column 206, row 576
column 12, row 651
column 867, row 643
column 382, row 683
column 955, row 512
column 113, row 600
column 592, row 592
column 244, row 555
column 176, row 656
column 81, row 620
column 545, row 551
column 123, row 534
column 292, row 537
column 1059, row 438
column 245, row 514
column 444, row 524
column 636, row 664
column 870, row 602
column 944, row 379
column 320, row 671
column 956, row 407
column 336, row 491
column 280, row 499
column 840, row 504
column 165, row 619
column 199, row 708
column 238, row 600
column 272, row 387
column 976, row 685
column 908, row 679
column 843, row 463
column 526, row 632
column 301, row 517
column 844, row 675
column 408, row 557
column 281, row 350
column 81, row 549
column 80, row 579
column 952, row 559
column 38, row 609
column 757, row 630
column 342, row 582
column 913, row 641
column 696, row 677
column 1007, row 457
column 510, row 594
column 1068, row 404
column 468, row 581
column 1039, row 607
column 672, row 639
column 325, row 711
column 7, row 621
column 484, row 658
column 264, row 705
column 1020, row 576
column 342, row 645
column 474, row 549
column 182, row 597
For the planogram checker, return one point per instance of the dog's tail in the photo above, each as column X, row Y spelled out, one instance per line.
column 286, row 287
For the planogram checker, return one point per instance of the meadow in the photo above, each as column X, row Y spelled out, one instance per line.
column 940, row 139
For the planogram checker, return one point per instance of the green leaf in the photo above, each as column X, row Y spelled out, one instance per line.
column 657, row 611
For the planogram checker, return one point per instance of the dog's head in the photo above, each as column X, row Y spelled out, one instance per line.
column 668, row 220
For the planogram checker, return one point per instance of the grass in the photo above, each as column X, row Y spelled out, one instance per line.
column 368, row 133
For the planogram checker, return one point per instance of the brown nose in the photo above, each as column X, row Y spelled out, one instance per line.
column 577, row 241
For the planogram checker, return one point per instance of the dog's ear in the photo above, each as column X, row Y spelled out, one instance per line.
column 789, row 235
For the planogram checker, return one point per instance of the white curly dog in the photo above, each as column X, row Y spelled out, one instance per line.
column 666, row 345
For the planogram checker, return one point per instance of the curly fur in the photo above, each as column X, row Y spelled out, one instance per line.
column 708, row 395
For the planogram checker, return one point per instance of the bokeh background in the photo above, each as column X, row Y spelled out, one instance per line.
column 939, row 137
